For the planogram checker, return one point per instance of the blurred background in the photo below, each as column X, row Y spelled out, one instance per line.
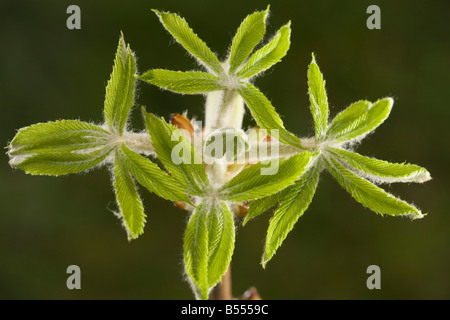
column 48, row 72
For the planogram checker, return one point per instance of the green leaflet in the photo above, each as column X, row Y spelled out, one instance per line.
column 369, row 195
column 128, row 199
column 152, row 177
column 195, row 250
column 259, row 206
column 57, row 136
column 58, row 148
column 348, row 119
column 221, row 237
column 177, row 154
column 358, row 126
column 382, row 171
column 265, row 115
column 184, row 35
column 182, row 82
column 60, row 163
column 268, row 55
column 318, row 99
column 252, row 183
column 292, row 206
column 119, row 97
column 208, row 245
column 248, row 35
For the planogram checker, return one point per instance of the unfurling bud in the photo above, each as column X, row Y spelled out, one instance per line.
column 226, row 144
column 182, row 123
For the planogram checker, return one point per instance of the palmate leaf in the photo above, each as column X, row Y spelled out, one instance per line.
column 368, row 194
column 153, row 178
column 381, row 171
column 177, row 154
column 248, row 35
column 268, row 55
column 128, row 200
column 265, row 115
column 208, row 245
column 58, row 148
column 318, row 99
column 293, row 204
column 184, row 35
column 250, row 184
column 359, row 120
column 119, row 97
column 191, row 82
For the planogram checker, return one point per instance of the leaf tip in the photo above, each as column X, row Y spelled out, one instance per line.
column 157, row 12
column 264, row 261
column 131, row 237
column 416, row 215
column 390, row 102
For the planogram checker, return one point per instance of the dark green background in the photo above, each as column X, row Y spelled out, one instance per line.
column 48, row 72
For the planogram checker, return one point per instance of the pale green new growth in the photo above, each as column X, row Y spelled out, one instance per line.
column 292, row 206
column 249, row 34
column 347, row 167
column 265, row 114
column 170, row 144
column 250, row 184
column 149, row 175
column 195, row 249
column 213, row 193
column 71, row 146
column 221, row 237
column 347, row 119
column 59, row 147
column 63, row 135
column 318, row 99
column 120, row 89
column 60, row 163
column 130, row 203
column 185, row 36
column 191, row 82
column 368, row 194
column 268, row 55
column 208, row 245
column 356, row 125
column 379, row 170
column 259, row 206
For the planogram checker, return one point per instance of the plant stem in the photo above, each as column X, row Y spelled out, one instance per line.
column 139, row 142
column 223, row 108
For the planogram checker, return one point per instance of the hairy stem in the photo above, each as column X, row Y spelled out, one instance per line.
column 223, row 108
column 139, row 142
